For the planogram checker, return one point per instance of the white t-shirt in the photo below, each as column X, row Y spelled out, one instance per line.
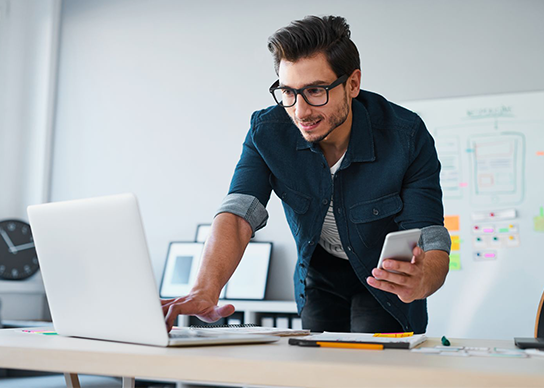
column 329, row 239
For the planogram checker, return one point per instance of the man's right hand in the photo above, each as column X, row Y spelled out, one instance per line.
column 223, row 250
column 201, row 306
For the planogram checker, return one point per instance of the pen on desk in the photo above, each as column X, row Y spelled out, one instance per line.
column 345, row 345
column 395, row 335
column 445, row 341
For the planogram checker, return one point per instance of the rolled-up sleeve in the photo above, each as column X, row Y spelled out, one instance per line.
column 435, row 237
column 246, row 206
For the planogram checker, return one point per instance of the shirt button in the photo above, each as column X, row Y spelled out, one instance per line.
column 375, row 212
column 339, row 210
column 302, row 265
column 311, row 242
column 283, row 195
column 301, row 295
column 302, row 281
column 389, row 304
column 349, row 248
column 325, row 201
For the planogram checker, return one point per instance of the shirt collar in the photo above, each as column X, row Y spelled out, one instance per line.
column 361, row 142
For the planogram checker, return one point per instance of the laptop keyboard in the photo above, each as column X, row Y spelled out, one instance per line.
column 176, row 334
column 188, row 333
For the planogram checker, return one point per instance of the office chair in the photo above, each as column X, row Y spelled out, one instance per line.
column 538, row 340
column 539, row 325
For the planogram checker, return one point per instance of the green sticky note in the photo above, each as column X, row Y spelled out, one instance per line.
column 455, row 262
column 538, row 223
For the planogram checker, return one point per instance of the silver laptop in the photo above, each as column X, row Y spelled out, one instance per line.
column 98, row 276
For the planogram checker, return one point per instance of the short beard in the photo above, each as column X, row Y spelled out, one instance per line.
column 335, row 121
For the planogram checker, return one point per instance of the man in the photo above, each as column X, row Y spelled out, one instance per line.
column 350, row 167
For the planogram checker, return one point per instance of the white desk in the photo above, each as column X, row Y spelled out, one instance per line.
column 277, row 364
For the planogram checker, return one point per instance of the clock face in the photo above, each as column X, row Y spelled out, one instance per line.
column 18, row 259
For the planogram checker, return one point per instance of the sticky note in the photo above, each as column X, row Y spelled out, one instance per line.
column 539, row 221
column 455, row 243
column 44, row 332
column 455, row 262
column 451, row 223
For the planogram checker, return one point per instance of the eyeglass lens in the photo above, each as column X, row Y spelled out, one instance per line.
column 313, row 96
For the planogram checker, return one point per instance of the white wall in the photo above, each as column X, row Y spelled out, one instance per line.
column 28, row 54
column 154, row 97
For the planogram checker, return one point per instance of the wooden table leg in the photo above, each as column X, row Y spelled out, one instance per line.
column 129, row 382
column 72, row 381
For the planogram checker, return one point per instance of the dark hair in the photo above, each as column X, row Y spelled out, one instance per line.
column 312, row 35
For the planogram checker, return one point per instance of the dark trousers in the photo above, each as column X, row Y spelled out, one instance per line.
column 336, row 300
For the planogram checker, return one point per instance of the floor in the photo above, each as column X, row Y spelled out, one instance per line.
column 86, row 381
column 33, row 380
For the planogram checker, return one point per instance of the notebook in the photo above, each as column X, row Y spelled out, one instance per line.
column 253, row 329
column 360, row 338
column 98, row 276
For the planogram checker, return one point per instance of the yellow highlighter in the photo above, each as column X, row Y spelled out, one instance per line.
column 395, row 335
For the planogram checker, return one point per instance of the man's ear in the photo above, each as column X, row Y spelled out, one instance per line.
column 353, row 83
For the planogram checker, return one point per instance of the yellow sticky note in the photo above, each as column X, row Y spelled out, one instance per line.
column 455, row 262
column 451, row 223
column 539, row 221
column 455, row 243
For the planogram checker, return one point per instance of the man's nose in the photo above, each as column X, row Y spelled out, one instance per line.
column 302, row 108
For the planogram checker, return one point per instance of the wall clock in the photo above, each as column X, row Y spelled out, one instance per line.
column 18, row 259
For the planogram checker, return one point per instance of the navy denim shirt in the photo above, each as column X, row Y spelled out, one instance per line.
column 388, row 181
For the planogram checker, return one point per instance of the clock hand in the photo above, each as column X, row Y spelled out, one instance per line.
column 22, row 247
column 6, row 238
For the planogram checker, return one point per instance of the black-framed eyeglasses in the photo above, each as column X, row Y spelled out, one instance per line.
column 314, row 95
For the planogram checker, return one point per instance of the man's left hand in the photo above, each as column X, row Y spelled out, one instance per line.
column 408, row 283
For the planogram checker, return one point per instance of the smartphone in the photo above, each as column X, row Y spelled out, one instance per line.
column 399, row 245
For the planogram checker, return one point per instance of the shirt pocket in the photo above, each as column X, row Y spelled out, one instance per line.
column 372, row 218
column 295, row 204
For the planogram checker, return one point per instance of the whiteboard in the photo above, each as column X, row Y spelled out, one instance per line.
column 492, row 153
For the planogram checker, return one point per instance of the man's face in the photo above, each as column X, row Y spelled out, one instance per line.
column 315, row 123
